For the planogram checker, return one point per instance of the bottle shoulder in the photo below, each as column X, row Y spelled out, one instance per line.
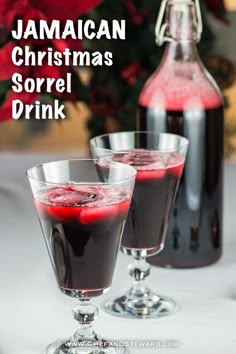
column 181, row 86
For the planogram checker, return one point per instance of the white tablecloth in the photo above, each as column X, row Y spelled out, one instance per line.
column 34, row 313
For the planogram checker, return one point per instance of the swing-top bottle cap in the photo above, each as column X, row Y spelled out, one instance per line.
column 177, row 6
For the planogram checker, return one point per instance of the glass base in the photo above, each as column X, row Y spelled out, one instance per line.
column 66, row 347
column 151, row 306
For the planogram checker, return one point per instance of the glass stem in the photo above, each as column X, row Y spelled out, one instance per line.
column 139, row 271
column 85, row 313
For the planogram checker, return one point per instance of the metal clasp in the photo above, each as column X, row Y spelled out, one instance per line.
column 160, row 29
column 199, row 20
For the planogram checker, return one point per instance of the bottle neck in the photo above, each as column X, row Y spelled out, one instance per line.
column 182, row 32
column 181, row 51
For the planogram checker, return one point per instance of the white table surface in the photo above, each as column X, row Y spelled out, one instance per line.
column 34, row 313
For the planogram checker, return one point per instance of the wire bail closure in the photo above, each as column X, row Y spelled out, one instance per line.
column 160, row 28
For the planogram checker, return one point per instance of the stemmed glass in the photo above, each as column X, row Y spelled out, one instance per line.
column 82, row 221
column 159, row 160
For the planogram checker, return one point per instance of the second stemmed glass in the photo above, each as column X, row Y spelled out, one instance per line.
column 159, row 160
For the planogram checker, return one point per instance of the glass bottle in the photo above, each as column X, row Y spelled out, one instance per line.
column 182, row 98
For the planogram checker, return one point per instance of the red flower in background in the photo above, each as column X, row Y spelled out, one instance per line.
column 10, row 11
column 136, row 16
column 51, row 9
column 130, row 73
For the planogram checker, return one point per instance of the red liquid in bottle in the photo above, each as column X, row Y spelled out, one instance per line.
column 181, row 98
